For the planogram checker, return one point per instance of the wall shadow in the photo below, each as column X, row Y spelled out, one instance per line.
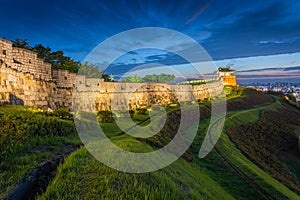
column 13, row 99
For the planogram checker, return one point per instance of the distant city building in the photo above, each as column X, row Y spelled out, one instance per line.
column 227, row 75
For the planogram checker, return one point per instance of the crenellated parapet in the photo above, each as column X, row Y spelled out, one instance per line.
column 25, row 61
column 96, row 95
column 27, row 80
column 63, row 78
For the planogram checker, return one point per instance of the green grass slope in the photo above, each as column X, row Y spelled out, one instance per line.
column 29, row 137
column 83, row 177
column 227, row 172
column 264, row 149
column 256, row 156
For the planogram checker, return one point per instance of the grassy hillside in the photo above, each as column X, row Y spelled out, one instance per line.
column 188, row 178
column 29, row 137
column 247, row 149
column 255, row 158
column 81, row 176
column 271, row 143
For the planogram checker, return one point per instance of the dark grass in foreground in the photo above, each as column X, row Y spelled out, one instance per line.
column 83, row 177
column 27, row 138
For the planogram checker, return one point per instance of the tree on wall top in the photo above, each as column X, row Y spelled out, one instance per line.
column 92, row 71
column 21, row 43
column 153, row 78
column 56, row 58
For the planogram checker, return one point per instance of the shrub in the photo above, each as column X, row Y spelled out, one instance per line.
column 142, row 111
column 131, row 113
column 62, row 113
column 105, row 116
column 123, row 113
column 19, row 123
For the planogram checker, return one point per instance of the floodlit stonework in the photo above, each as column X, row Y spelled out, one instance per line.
column 27, row 80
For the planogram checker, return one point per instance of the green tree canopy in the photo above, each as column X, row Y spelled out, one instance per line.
column 43, row 52
column 60, row 61
column 21, row 43
column 107, row 77
column 161, row 78
column 57, row 58
column 132, row 79
column 153, row 78
column 92, row 71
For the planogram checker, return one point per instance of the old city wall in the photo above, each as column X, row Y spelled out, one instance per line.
column 27, row 80
column 96, row 95
column 24, row 89
column 23, row 60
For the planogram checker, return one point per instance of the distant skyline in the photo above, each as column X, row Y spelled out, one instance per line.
column 228, row 30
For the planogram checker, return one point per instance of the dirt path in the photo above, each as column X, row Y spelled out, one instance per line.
column 37, row 181
column 244, row 176
column 234, row 167
column 39, row 178
column 239, row 172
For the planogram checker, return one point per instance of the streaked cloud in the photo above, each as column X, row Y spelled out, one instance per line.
column 233, row 32
column 199, row 12
column 270, row 42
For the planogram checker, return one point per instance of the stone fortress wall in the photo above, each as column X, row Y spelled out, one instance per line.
column 113, row 94
column 27, row 80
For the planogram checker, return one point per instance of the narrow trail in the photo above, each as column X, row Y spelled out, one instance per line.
column 270, row 104
column 155, row 116
column 244, row 176
column 254, row 185
column 38, row 180
column 238, row 171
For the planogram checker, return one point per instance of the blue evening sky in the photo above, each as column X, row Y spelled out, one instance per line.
column 226, row 29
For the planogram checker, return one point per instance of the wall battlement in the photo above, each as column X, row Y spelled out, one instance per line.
column 27, row 80
column 27, row 61
column 112, row 95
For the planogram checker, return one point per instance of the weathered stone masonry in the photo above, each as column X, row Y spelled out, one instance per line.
column 104, row 94
column 27, row 80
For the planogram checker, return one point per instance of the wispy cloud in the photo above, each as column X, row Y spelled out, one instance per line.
column 270, row 42
column 199, row 12
column 226, row 29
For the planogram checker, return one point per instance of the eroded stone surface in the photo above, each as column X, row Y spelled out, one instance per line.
column 28, row 80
